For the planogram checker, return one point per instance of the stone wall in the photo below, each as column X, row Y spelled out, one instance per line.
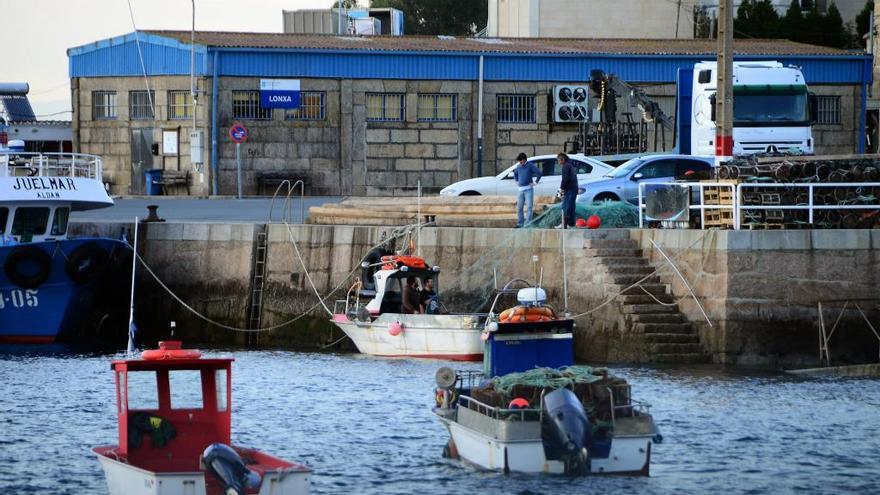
column 759, row 288
column 112, row 138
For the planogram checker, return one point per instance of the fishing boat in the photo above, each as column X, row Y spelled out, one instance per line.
column 174, row 422
column 48, row 281
column 372, row 314
column 532, row 411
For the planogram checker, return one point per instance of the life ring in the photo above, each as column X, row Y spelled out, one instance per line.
column 156, row 354
column 23, row 256
column 523, row 313
column 87, row 263
column 371, row 259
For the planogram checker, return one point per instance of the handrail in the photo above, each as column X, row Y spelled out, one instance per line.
column 290, row 189
column 51, row 164
column 738, row 206
column 493, row 411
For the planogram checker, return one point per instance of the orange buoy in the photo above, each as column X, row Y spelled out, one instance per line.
column 518, row 403
column 171, row 349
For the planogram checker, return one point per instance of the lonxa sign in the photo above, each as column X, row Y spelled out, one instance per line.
column 279, row 93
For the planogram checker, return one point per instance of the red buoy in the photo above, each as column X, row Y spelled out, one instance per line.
column 594, row 222
column 581, row 223
column 518, row 403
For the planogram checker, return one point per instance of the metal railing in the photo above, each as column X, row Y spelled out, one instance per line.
column 701, row 186
column 73, row 165
column 529, row 414
column 804, row 198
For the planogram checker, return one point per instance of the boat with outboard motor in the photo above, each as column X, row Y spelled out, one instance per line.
column 48, row 281
column 531, row 410
column 372, row 314
column 174, row 422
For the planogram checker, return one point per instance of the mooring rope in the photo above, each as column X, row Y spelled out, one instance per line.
column 396, row 233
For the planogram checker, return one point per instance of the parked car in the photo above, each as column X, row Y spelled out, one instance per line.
column 622, row 183
column 504, row 184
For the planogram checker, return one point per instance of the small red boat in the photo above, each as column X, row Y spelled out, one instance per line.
column 174, row 409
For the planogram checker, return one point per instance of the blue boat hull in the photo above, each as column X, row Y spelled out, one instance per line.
column 54, row 309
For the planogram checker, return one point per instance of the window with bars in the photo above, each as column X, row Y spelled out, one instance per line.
column 140, row 105
column 104, row 105
column 311, row 107
column 437, row 108
column 828, row 110
column 516, row 109
column 385, row 107
column 179, row 105
column 246, row 105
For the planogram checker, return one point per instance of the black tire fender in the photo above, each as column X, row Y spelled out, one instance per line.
column 373, row 257
column 87, row 263
column 28, row 254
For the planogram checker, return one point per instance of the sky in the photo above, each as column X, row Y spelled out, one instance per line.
column 37, row 33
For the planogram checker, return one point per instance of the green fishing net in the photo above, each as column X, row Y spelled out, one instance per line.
column 614, row 215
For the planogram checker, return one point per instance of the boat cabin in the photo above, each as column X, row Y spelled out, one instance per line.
column 390, row 285
column 39, row 190
column 170, row 410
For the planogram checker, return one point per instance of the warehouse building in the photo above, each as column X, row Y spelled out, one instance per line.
column 379, row 114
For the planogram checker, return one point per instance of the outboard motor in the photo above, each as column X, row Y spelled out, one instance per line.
column 566, row 431
column 227, row 466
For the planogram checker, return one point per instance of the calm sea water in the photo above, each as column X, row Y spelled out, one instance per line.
column 365, row 427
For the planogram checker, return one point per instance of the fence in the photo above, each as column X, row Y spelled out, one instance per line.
column 803, row 203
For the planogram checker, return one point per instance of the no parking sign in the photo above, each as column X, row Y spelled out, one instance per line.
column 238, row 133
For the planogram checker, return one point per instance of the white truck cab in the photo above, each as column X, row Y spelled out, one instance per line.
column 771, row 109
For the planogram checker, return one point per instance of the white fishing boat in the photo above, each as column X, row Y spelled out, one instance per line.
column 532, row 411
column 372, row 315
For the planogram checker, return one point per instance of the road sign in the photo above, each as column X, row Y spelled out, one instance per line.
column 238, row 133
column 279, row 93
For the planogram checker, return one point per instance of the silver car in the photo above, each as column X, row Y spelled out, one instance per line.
column 622, row 183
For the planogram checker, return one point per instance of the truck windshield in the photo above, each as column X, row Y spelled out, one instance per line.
column 780, row 109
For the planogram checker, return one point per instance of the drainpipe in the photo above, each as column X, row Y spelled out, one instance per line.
column 480, row 123
column 215, row 181
column 863, row 115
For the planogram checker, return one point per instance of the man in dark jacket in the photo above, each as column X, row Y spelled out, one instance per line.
column 526, row 176
column 568, row 188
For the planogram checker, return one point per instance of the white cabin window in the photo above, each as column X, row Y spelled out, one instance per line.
column 30, row 221
column 59, row 221
column 4, row 217
column 220, row 378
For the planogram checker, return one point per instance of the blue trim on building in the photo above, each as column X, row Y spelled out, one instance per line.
column 165, row 56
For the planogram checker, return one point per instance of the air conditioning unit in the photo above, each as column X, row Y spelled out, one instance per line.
column 571, row 104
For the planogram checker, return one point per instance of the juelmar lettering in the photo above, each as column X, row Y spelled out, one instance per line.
column 44, row 183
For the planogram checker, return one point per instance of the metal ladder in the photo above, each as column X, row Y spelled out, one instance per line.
column 255, row 310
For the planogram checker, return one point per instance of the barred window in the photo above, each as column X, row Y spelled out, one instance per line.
column 828, row 110
column 140, row 105
column 437, row 108
column 246, row 105
column 104, row 105
column 311, row 107
column 385, row 107
column 516, row 109
column 179, row 105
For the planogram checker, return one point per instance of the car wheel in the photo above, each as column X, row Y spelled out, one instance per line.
column 470, row 193
column 604, row 196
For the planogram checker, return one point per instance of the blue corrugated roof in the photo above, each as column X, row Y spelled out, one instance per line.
column 168, row 56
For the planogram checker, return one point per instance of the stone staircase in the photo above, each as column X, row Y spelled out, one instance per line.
column 667, row 335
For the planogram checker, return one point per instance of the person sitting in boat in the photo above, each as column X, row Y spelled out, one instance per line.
column 428, row 303
column 410, row 301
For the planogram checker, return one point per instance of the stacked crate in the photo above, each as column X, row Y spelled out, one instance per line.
column 721, row 218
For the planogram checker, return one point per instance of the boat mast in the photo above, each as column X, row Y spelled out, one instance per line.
column 131, row 327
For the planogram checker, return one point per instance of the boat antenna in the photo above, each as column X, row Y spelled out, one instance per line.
column 419, row 222
column 132, row 328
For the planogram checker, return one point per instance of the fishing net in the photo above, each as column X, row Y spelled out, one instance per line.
column 614, row 215
column 548, row 378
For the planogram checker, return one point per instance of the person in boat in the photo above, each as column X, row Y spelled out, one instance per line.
column 526, row 175
column 428, row 303
column 410, row 300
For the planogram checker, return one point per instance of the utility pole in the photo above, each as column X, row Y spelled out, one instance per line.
column 724, row 95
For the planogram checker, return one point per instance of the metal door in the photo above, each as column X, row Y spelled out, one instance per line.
column 141, row 158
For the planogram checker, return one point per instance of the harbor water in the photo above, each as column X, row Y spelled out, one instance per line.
column 364, row 425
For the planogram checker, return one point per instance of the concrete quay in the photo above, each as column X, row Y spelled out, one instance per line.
column 759, row 289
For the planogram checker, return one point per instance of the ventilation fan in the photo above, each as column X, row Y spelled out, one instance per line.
column 570, row 104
